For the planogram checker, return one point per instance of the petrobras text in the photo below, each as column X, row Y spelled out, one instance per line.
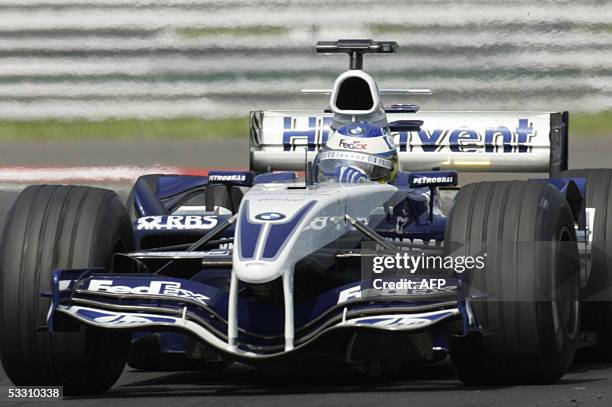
column 164, row 288
column 177, row 222
column 433, row 178
column 232, row 177
column 240, row 178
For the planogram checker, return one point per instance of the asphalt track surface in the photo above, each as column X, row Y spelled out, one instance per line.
column 229, row 153
column 585, row 384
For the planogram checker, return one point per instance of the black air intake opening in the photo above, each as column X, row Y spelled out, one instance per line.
column 354, row 94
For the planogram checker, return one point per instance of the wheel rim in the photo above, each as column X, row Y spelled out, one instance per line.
column 565, row 295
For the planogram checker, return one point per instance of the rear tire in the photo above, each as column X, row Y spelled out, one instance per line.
column 52, row 227
column 597, row 294
column 525, row 301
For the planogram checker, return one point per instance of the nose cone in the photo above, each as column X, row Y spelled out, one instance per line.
column 258, row 272
column 267, row 241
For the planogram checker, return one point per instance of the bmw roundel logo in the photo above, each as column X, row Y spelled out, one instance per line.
column 356, row 130
column 270, row 216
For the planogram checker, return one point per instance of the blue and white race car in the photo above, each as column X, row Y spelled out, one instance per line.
column 375, row 257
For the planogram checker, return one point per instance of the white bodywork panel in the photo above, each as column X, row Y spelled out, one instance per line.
column 332, row 202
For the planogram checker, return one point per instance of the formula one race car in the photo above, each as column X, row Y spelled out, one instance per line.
column 374, row 258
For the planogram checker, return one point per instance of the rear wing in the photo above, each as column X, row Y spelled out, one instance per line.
column 462, row 141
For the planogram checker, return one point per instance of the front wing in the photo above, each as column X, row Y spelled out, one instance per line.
column 146, row 302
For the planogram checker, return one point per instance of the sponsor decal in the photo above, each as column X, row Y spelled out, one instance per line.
column 270, row 216
column 441, row 178
column 177, row 222
column 313, row 137
column 422, row 242
column 429, row 180
column 494, row 139
column 230, row 177
column 352, row 144
column 394, row 322
column 321, row 222
column 217, row 252
column 432, row 180
column 355, row 156
column 356, row 130
column 164, row 288
column 352, row 293
column 119, row 319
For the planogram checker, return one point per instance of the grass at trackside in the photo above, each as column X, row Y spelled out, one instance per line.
column 581, row 124
column 386, row 28
column 199, row 32
column 125, row 128
column 591, row 124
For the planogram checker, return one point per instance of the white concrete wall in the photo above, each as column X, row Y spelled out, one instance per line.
column 130, row 58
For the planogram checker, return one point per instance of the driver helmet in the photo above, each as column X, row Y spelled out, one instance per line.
column 357, row 152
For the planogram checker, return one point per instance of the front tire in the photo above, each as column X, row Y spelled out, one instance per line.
column 52, row 227
column 524, row 303
column 597, row 294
